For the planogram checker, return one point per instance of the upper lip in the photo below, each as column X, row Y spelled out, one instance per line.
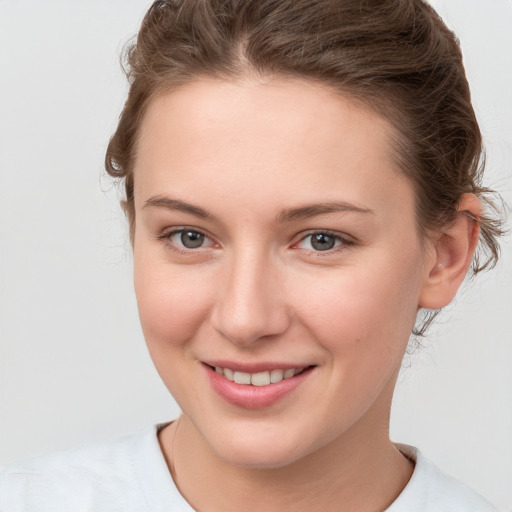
column 254, row 367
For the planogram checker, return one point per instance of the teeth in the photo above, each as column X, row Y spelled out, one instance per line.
column 260, row 378
column 276, row 376
column 242, row 378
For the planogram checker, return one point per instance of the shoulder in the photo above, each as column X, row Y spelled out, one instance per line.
column 74, row 477
column 108, row 476
column 430, row 490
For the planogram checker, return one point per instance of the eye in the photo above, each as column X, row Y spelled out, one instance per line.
column 188, row 238
column 322, row 241
column 185, row 239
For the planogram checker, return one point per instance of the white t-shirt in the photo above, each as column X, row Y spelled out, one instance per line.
column 130, row 475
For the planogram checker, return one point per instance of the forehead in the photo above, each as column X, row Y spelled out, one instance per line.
column 277, row 138
column 297, row 110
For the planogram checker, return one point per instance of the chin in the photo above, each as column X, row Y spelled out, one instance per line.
column 259, row 452
column 259, row 459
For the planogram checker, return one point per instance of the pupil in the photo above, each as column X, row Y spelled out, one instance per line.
column 322, row 242
column 192, row 239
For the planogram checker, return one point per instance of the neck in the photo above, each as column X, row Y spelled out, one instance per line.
column 361, row 471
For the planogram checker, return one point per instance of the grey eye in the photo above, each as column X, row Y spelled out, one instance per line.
column 190, row 239
column 322, row 242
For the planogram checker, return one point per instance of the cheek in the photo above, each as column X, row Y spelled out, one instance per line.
column 172, row 302
column 370, row 308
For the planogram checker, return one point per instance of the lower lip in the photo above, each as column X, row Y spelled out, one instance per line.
column 254, row 397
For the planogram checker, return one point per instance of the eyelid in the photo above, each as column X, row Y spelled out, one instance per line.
column 345, row 240
column 166, row 238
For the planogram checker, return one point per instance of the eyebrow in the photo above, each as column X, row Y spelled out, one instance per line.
column 176, row 204
column 312, row 210
column 287, row 215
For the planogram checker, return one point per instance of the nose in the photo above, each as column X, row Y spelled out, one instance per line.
column 250, row 305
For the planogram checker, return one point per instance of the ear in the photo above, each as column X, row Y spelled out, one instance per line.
column 452, row 253
column 124, row 206
column 130, row 217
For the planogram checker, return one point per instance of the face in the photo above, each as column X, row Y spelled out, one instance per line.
column 276, row 245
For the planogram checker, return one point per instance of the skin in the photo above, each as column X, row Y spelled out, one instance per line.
column 258, row 291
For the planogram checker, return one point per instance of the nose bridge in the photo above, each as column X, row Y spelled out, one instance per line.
column 250, row 305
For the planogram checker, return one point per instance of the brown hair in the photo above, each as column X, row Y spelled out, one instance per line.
column 395, row 56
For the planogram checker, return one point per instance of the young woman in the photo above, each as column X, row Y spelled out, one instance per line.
column 303, row 185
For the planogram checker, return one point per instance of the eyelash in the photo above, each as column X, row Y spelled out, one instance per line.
column 344, row 241
column 166, row 239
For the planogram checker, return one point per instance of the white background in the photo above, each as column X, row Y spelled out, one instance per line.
column 73, row 364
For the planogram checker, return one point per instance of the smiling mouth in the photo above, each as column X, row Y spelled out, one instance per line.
column 259, row 378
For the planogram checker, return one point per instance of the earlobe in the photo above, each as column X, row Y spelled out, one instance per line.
column 130, row 216
column 124, row 206
column 452, row 254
